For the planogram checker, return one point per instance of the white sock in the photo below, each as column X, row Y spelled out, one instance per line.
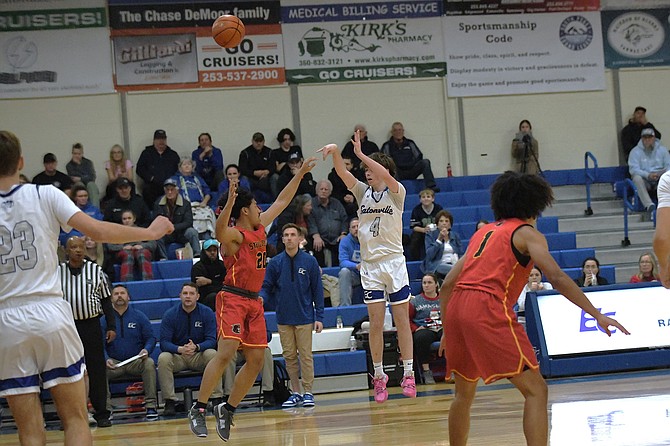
column 379, row 369
column 408, row 367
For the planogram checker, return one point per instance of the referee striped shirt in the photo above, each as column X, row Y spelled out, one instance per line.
column 84, row 291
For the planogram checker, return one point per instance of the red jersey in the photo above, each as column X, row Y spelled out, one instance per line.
column 492, row 263
column 246, row 269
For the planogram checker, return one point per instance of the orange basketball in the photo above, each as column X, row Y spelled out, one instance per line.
column 228, row 31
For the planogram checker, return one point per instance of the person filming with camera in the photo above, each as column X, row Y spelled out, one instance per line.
column 525, row 150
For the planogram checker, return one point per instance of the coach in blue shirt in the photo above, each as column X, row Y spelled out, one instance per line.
column 134, row 336
column 188, row 342
column 293, row 283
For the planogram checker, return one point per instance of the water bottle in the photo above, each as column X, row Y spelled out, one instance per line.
column 339, row 323
column 449, row 172
column 388, row 322
column 352, row 344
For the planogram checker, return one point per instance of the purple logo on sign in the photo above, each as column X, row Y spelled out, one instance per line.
column 588, row 323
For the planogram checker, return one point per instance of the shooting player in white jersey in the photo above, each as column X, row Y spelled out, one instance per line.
column 383, row 269
column 39, row 345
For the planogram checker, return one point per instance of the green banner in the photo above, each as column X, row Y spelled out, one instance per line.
column 51, row 19
column 370, row 72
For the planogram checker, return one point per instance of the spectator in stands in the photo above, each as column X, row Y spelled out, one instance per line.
column 195, row 190
column 86, row 289
column 157, row 163
column 280, row 156
column 443, row 246
column 307, row 183
column 298, row 212
column 233, row 176
column 350, row 263
column 421, row 222
column 133, row 255
column 340, row 191
column 632, row 132
column 368, row 147
column 209, row 273
column 408, row 158
column 82, row 170
column 481, row 223
column 646, row 163
column 267, row 374
column 525, row 150
column 256, row 164
column 118, row 166
column 591, row 274
column 51, row 175
column 293, row 284
column 188, row 342
column 648, row 271
column 135, row 338
column 94, row 251
column 173, row 206
column 330, row 225
column 80, row 198
column 424, row 319
column 208, row 161
column 534, row 284
column 23, row 179
column 126, row 199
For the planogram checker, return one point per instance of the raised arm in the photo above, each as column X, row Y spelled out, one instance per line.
column 286, row 195
column 379, row 170
column 347, row 177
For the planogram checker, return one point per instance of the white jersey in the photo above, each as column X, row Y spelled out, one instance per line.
column 380, row 221
column 30, row 220
column 664, row 190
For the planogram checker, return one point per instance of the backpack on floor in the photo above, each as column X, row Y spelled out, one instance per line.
column 280, row 383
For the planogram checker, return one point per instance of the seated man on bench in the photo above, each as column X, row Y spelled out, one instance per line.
column 188, row 342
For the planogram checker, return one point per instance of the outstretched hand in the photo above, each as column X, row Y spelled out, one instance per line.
column 161, row 226
column 328, row 150
column 357, row 143
column 307, row 165
column 605, row 322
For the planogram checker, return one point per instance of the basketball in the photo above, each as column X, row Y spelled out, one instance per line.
column 228, row 31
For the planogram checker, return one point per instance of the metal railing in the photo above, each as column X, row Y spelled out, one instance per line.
column 590, row 178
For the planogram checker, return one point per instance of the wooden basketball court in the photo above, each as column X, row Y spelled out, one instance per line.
column 620, row 409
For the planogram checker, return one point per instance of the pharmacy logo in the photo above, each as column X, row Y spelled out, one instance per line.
column 636, row 35
column 21, row 53
column 315, row 41
column 576, row 33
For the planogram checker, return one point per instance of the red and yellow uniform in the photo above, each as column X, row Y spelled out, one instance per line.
column 239, row 311
column 483, row 337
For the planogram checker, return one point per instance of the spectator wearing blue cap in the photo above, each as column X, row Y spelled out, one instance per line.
column 209, row 273
column 648, row 160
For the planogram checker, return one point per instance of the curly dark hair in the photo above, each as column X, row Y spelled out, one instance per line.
column 284, row 132
column 520, row 195
column 243, row 200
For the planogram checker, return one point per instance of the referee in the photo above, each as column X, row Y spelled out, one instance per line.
column 86, row 289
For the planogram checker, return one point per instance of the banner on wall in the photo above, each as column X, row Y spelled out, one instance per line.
column 363, row 41
column 636, row 38
column 160, row 45
column 476, row 7
column 523, row 53
column 54, row 48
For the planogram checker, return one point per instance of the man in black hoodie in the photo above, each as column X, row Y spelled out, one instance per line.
column 209, row 273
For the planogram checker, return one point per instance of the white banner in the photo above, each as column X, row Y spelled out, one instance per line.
column 54, row 48
column 523, row 53
column 645, row 312
column 360, row 41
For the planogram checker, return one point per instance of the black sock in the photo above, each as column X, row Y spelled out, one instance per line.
column 199, row 405
column 229, row 408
